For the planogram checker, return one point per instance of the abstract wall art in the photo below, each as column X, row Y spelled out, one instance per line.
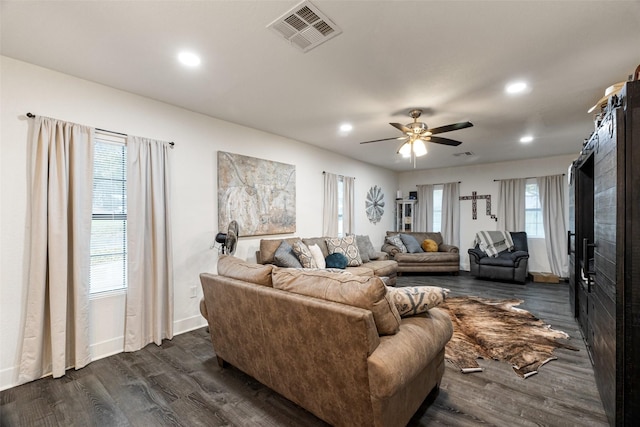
column 259, row 194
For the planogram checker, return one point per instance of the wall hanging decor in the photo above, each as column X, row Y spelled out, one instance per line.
column 259, row 194
column 374, row 204
column 474, row 204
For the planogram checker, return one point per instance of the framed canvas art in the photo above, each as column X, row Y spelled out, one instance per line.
column 259, row 194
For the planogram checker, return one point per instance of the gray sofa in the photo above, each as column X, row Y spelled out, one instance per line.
column 445, row 260
column 508, row 265
column 381, row 266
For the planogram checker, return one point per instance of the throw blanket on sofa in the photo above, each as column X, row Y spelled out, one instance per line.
column 493, row 242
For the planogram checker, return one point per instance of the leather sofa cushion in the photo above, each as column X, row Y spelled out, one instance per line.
column 369, row 293
column 382, row 267
column 236, row 268
column 428, row 257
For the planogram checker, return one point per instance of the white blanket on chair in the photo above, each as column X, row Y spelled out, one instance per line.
column 494, row 242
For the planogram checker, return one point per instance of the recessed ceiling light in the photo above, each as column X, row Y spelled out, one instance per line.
column 189, row 59
column 526, row 139
column 515, row 87
column 346, row 127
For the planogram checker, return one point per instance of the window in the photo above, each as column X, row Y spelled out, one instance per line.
column 108, row 271
column 340, row 206
column 437, row 207
column 533, row 210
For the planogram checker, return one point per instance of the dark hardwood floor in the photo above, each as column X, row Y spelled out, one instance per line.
column 181, row 384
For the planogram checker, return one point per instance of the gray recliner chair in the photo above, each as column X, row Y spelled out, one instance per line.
column 508, row 265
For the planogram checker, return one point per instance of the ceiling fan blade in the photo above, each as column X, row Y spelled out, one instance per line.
column 441, row 140
column 449, row 128
column 384, row 139
column 401, row 127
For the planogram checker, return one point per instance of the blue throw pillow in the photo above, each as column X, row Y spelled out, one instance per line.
column 336, row 260
column 285, row 257
column 411, row 243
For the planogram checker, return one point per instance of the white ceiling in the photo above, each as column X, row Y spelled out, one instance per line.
column 451, row 58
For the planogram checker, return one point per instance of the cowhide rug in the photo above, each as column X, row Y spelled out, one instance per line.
column 495, row 329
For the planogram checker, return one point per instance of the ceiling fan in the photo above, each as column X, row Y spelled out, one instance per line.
column 417, row 133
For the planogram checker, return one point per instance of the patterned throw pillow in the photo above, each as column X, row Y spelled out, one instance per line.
column 415, row 300
column 346, row 246
column 285, row 257
column 411, row 243
column 429, row 245
column 396, row 241
column 304, row 255
column 317, row 255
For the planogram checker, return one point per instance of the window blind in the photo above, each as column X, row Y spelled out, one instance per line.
column 108, row 270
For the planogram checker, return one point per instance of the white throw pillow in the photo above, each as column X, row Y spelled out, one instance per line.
column 317, row 255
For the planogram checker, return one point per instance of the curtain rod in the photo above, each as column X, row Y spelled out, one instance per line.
column 344, row 176
column 441, row 183
column 32, row 116
column 527, row 177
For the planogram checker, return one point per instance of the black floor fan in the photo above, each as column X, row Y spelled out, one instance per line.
column 229, row 239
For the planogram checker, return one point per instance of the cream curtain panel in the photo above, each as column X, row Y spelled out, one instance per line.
column 424, row 208
column 450, row 228
column 552, row 199
column 511, row 212
column 348, row 218
column 330, row 206
column 56, row 334
column 149, row 307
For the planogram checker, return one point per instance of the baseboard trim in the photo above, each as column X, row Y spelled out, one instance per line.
column 100, row 350
column 188, row 324
column 8, row 378
column 107, row 348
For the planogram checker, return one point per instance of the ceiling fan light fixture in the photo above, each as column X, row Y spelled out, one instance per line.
column 419, row 148
column 405, row 150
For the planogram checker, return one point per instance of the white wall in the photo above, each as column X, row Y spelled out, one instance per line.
column 480, row 178
column 27, row 88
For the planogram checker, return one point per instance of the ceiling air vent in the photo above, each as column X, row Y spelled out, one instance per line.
column 305, row 27
column 465, row 154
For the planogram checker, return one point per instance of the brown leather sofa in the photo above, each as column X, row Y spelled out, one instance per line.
column 382, row 266
column 445, row 260
column 326, row 356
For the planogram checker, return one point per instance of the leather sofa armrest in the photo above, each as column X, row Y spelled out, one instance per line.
column 203, row 310
column 392, row 250
column 448, row 248
column 476, row 254
column 518, row 256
